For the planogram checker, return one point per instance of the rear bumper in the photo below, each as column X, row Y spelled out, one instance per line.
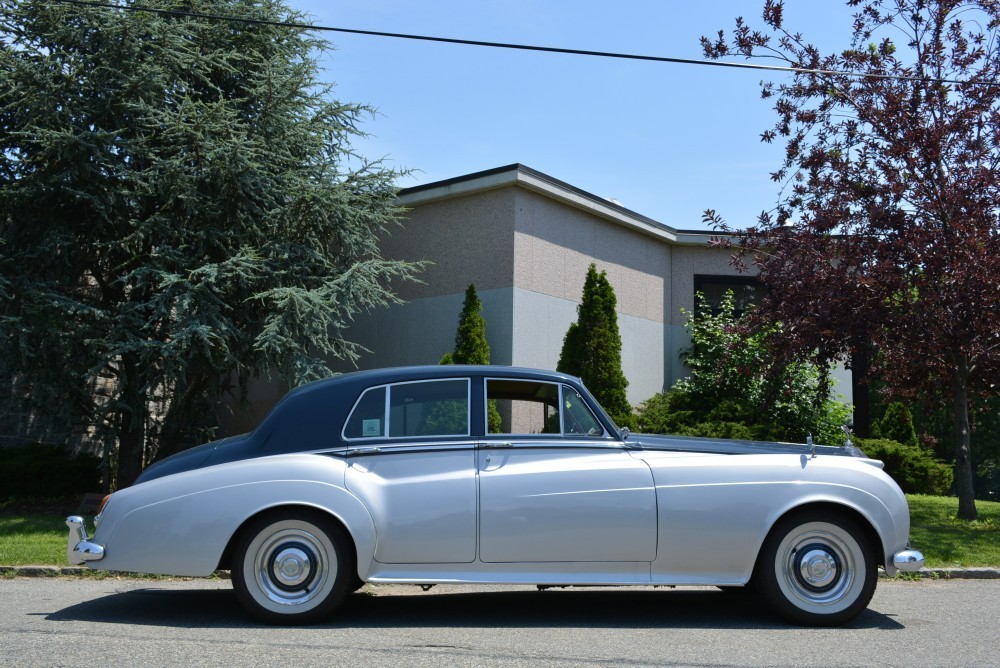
column 79, row 547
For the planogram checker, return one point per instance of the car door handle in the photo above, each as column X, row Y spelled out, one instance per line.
column 495, row 446
column 357, row 452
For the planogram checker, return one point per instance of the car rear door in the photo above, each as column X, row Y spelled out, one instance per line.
column 414, row 467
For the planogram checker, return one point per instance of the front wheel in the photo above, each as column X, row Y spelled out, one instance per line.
column 817, row 569
column 292, row 567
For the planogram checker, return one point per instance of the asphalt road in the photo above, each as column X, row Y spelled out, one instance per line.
column 111, row 622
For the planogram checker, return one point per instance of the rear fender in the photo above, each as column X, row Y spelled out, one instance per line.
column 182, row 524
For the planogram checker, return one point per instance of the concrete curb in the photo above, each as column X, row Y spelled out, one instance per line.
column 82, row 571
column 79, row 571
column 959, row 573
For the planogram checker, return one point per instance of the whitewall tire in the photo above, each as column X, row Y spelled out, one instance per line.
column 292, row 566
column 817, row 569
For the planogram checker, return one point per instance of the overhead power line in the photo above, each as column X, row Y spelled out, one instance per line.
column 507, row 45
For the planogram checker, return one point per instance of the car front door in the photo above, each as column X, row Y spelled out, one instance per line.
column 555, row 487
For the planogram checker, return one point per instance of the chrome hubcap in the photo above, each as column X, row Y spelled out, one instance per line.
column 818, row 567
column 292, row 567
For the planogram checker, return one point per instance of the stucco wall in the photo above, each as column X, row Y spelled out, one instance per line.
column 422, row 330
column 691, row 260
column 467, row 240
column 554, row 244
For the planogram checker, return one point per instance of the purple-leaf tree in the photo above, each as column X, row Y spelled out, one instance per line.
column 885, row 236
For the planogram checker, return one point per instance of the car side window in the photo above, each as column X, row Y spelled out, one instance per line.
column 433, row 408
column 368, row 417
column 578, row 419
column 525, row 407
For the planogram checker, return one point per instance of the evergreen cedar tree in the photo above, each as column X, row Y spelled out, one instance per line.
column 181, row 212
column 885, row 237
column 471, row 347
column 592, row 348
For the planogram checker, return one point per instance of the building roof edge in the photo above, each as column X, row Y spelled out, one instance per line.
column 517, row 174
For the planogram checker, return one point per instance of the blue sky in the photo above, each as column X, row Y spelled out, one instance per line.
column 665, row 140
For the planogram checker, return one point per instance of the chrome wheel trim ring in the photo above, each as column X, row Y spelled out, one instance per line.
column 291, row 566
column 820, row 567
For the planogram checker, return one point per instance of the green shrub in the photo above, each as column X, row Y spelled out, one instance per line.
column 896, row 425
column 729, row 410
column 912, row 467
column 733, row 430
column 47, row 471
column 735, row 388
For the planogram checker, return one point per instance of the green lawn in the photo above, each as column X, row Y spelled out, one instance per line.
column 945, row 541
column 34, row 539
column 949, row 542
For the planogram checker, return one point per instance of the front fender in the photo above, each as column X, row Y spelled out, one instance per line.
column 181, row 524
column 716, row 510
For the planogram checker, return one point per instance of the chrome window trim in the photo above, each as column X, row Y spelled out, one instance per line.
column 536, row 442
column 370, row 449
column 562, row 387
column 386, row 412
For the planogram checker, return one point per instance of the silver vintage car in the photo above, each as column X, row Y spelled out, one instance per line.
column 395, row 476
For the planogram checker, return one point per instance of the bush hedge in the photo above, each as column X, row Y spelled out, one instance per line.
column 914, row 469
column 46, row 472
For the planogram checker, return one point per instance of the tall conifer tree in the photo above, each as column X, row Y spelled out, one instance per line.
column 471, row 346
column 592, row 348
column 180, row 212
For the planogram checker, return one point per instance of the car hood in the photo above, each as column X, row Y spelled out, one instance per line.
column 722, row 446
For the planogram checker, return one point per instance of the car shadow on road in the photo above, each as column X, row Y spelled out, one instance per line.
column 555, row 608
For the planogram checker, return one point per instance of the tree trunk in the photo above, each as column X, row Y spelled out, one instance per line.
column 183, row 416
column 963, row 459
column 131, row 423
column 130, row 446
column 859, row 388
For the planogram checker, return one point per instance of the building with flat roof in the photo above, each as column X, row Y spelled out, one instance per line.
column 525, row 240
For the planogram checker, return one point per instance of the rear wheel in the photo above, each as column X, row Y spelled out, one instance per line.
column 817, row 569
column 292, row 567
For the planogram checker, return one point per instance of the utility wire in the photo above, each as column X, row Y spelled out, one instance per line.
column 520, row 47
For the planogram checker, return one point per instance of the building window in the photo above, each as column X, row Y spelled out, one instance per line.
column 746, row 291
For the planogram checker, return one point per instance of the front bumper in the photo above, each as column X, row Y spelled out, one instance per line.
column 79, row 548
column 908, row 560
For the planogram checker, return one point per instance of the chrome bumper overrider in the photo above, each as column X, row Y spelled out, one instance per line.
column 908, row 560
column 80, row 549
